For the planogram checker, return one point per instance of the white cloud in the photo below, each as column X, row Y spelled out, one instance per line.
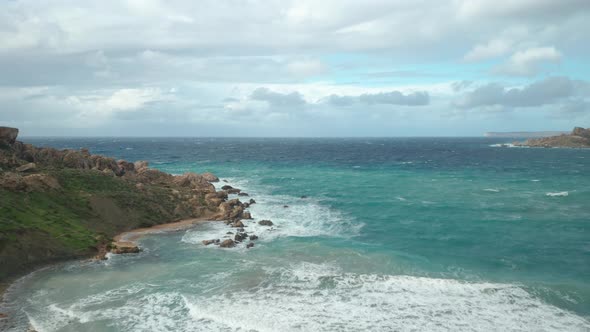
column 492, row 49
column 529, row 62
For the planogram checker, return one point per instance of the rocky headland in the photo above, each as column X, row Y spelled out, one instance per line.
column 65, row 204
column 578, row 138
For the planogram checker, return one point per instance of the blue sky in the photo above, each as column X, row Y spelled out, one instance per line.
column 293, row 68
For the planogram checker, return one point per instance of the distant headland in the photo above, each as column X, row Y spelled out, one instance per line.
column 578, row 138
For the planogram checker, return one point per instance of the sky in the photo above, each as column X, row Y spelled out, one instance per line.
column 293, row 68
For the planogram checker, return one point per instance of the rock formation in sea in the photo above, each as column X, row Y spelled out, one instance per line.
column 578, row 138
column 63, row 204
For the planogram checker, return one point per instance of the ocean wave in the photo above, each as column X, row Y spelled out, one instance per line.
column 558, row 194
column 292, row 216
column 319, row 297
column 493, row 190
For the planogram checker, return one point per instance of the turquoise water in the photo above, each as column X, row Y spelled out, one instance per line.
column 393, row 235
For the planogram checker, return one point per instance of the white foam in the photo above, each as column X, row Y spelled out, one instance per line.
column 492, row 190
column 302, row 217
column 558, row 194
column 313, row 297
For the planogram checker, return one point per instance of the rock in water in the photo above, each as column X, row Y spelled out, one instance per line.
column 227, row 187
column 253, row 237
column 8, row 135
column 126, row 250
column 208, row 242
column 265, row 222
column 229, row 243
column 210, row 177
column 243, row 194
column 252, row 201
column 247, row 215
column 250, row 245
column 238, row 224
column 240, row 237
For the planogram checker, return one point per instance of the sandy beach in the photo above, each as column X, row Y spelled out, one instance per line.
column 129, row 238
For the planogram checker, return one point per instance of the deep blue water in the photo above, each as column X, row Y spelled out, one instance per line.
column 395, row 234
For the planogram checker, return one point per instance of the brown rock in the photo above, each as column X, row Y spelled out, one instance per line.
column 246, row 215
column 237, row 224
column 8, row 135
column 208, row 242
column 27, row 167
column 140, row 165
column 41, row 182
column 126, row 250
column 229, row 243
column 210, row 177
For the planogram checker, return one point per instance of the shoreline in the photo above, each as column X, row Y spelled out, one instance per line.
column 128, row 238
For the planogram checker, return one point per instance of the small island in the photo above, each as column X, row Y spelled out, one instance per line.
column 578, row 138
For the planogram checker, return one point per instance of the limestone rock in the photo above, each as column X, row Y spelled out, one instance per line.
column 8, row 135
column 229, row 243
column 26, row 167
column 210, row 177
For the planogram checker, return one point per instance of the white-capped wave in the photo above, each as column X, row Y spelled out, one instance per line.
column 493, row 190
column 558, row 194
column 311, row 297
column 291, row 216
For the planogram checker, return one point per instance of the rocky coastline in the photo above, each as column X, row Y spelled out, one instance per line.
column 578, row 138
column 69, row 204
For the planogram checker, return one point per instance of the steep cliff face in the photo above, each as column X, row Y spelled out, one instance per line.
column 579, row 138
column 60, row 204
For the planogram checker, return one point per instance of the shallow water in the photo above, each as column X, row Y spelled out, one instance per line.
column 395, row 234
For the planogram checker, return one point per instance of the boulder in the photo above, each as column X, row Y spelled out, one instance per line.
column 250, row 245
column 140, row 165
column 126, row 166
column 240, row 237
column 233, row 191
column 229, row 243
column 227, row 187
column 246, row 215
column 41, row 182
column 27, row 167
column 243, row 194
column 265, row 222
column 285, row 206
column 252, row 201
column 208, row 242
column 126, row 250
column 303, row 197
column 253, row 237
column 237, row 224
column 8, row 135
column 194, row 181
column 12, row 182
column 210, row 177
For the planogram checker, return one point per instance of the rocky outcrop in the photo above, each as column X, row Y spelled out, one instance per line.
column 126, row 250
column 8, row 135
column 579, row 138
column 86, row 195
column 210, row 177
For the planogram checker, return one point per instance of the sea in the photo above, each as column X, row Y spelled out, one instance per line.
column 370, row 234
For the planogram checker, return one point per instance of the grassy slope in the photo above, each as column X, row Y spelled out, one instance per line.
column 40, row 227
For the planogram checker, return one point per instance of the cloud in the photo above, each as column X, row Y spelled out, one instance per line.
column 547, row 91
column 492, row 49
column 277, row 99
column 477, row 9
column 420, row 98
column 529, row 62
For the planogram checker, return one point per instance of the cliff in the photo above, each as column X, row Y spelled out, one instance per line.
column 62, row 204
column 578, row 138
